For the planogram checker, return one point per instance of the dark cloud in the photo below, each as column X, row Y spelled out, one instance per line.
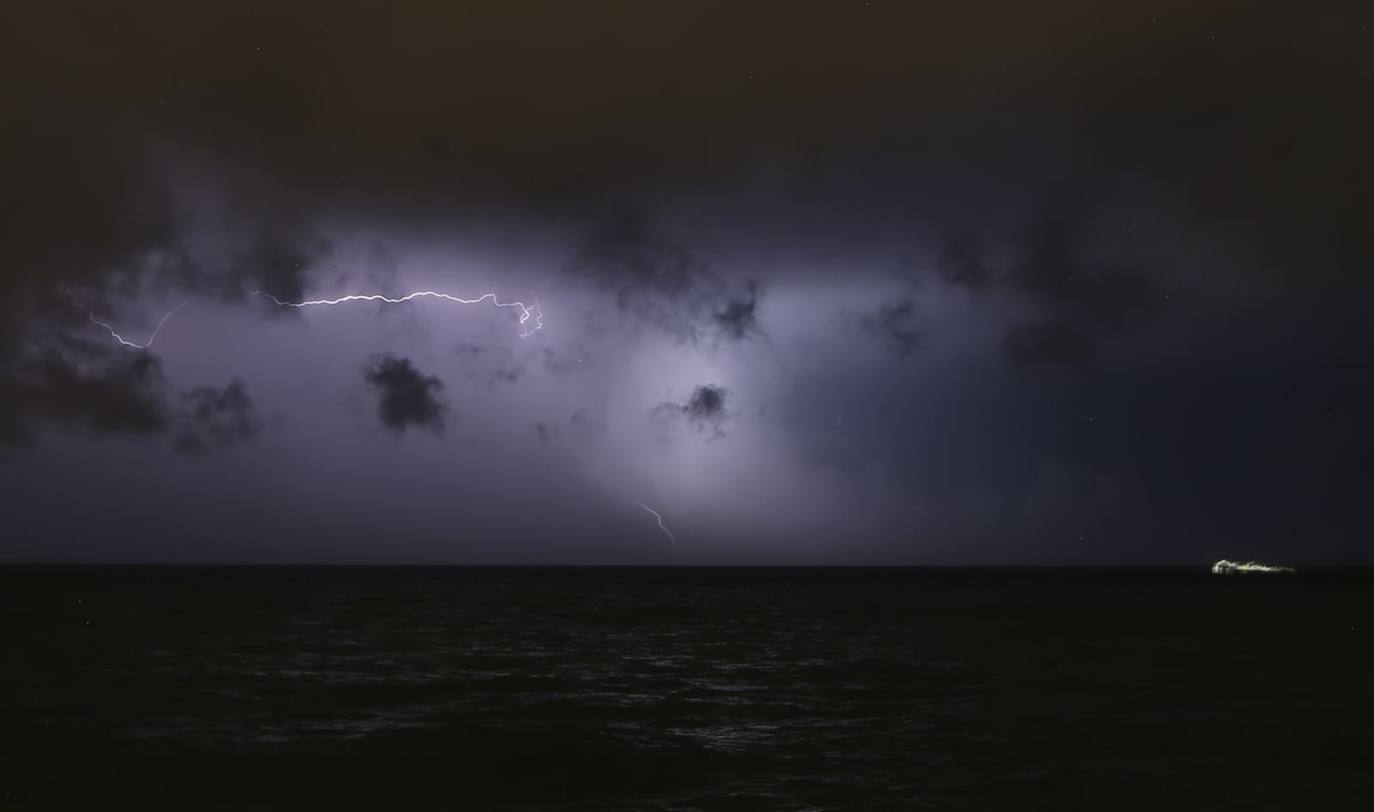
column 895, row 323
column 118, row 390
column 707, row 403
column 1083, row 301
column 738, row 317
column 108, row 125
column 406, row 397
column 278, row 263
column 307, row 109
column 1084, row 304
column 76, row 208
column 1049, row 343
column 106, row 390
column 658, row 279
column 654, row 277
column 627, row 251
column 704, row 410
column 216, row 418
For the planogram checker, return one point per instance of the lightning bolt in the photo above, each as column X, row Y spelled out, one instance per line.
column 527, row 312
column 126, row 342
column 662, row 527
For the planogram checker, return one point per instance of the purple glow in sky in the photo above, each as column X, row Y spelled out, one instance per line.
column 286, row 292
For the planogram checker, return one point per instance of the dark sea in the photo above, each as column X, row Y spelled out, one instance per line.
column 684, row 689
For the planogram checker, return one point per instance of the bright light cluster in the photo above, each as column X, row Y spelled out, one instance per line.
column 1224, row 567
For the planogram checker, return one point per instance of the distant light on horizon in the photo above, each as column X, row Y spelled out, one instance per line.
column 1225, row 567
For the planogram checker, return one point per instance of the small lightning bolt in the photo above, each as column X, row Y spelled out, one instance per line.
column 531, row 317
column 662, row 527
column 527, row 312
column 126, row 342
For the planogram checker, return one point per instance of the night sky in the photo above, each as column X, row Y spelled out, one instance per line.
column 820, row 283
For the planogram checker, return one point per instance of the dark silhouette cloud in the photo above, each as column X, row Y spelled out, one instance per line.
column 658, row 279
column 625, row 250
column 118, row 390
column 738, row 317
column 109, row 391
column 704, row 410
column 707, row 403
column 655, row 278
column 216, row 418
column 277, row 263
column 103, row 122
column 76, row 208
column 1084, row 304
column 405, row 396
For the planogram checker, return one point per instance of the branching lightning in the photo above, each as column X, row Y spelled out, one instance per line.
column 126, row 342
column 662, row 527
column 531, row 317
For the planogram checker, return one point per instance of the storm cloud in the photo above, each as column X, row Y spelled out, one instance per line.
column 86, row 385
column 406, row 397
column 915, row 257
column 703, row 411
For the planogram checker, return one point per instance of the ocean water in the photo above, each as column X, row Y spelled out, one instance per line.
column 685, row 689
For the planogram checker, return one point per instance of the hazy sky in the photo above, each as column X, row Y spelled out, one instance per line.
column 964, row 283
